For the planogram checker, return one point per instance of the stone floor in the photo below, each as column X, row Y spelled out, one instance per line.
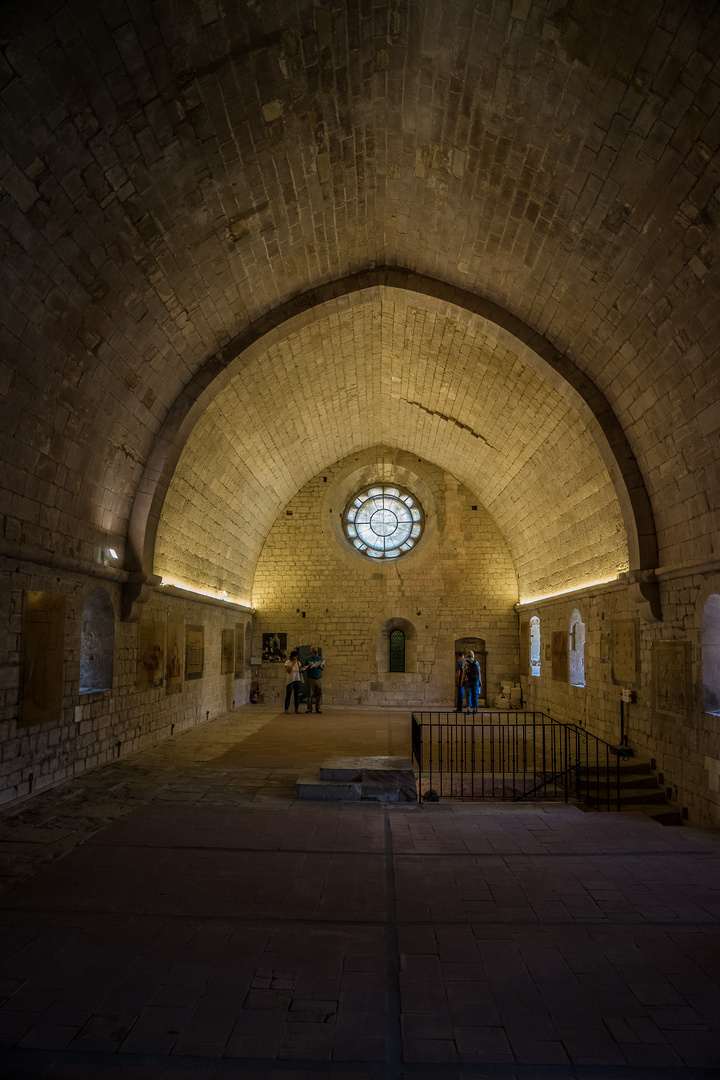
column 177, row 914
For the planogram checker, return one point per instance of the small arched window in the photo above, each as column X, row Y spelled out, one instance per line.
column 535, row 645
column 97, row 643
column 711, row 655
column 396, row 660
column 576, row 649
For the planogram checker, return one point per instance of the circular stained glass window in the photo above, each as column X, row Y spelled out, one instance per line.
column 383, row 521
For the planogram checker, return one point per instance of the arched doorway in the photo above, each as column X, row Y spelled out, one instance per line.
column 478, row 647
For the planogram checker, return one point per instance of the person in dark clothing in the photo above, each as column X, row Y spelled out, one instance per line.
column 459, row 664
column 314, row 670
column 471, row 681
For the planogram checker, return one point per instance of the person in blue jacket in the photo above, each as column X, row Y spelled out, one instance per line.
column 459, row 665
column 471, row 679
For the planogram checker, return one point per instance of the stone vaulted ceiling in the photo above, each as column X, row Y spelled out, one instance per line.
column 340, row 382
column 173, row 172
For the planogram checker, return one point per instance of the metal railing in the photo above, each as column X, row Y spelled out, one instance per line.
column 515, row 755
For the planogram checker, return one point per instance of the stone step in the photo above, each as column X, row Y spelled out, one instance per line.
column 350, row 768
column 625, row 783
column 635, row 768
column 360, row 779
column 631, row 796
column 662, row 813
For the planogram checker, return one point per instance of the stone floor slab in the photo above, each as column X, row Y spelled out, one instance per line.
column 193, row 919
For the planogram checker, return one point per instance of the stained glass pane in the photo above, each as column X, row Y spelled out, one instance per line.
column 397, row 651
column 382, row 521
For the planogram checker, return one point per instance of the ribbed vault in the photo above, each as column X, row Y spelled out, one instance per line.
column 386, row 366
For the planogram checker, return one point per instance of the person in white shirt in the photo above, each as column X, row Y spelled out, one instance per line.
column 293, row 680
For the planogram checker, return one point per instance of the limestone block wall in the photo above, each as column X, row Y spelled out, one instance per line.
column 459, row 583
column 98, row 726
column 686, row 751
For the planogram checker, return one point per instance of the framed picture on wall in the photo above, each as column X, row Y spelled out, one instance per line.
column 239, row 650
column 560, row 656
column 227, row 652
column 274, row 648
column 194, row 651
column 150, row 669
column 43, row 657
column 671, row 675
column 625, row 634
column 175, row 645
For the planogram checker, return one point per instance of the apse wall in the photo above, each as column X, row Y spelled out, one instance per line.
column 665, row 722
column 460, row 582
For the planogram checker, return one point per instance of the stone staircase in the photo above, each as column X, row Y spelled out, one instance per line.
column 360, row 779
column 638, row 787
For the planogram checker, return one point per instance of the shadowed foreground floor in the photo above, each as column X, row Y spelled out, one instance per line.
column 178, row 914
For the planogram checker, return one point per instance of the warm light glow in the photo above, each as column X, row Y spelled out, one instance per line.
column 563, row 592
column 214, row 594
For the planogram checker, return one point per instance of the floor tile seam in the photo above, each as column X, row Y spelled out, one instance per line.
column 239, row 850
column 393, row 1010
column 614, row 855
column 224, row 1066
column 404, row 854
column 470, row 920
column 229, row 1066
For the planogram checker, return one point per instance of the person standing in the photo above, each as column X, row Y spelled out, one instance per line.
column 314, row 670
column 471, row 681
column 293, row 680
column 459, row 665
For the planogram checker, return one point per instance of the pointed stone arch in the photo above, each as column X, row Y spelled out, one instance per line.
column 579, row 390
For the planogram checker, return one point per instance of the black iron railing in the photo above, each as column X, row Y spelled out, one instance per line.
column 515, row 755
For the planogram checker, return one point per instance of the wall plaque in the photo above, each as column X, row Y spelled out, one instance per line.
column 227, row 652
column 150, row 670
column 194, row 651
column 43, row 657
column 672, row 690
column 605, row 645
column 239, row 650
column 560, row 658
column 175, row 645
column 625, row 650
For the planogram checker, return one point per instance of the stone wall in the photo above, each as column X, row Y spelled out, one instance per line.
column 460, row 582
column 686, row 750
column 96, row 727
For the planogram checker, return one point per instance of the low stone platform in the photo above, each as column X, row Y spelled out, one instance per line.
column 360, row 779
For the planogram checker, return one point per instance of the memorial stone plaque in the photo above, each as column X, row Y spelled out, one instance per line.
column 227, row 652
column 625, row 651
column 671, row 664
column 560, row 657
column 43, row 657
column 175, row 645
column 194, row 651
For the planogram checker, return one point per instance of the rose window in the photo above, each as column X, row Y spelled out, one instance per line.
column 383, row 521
